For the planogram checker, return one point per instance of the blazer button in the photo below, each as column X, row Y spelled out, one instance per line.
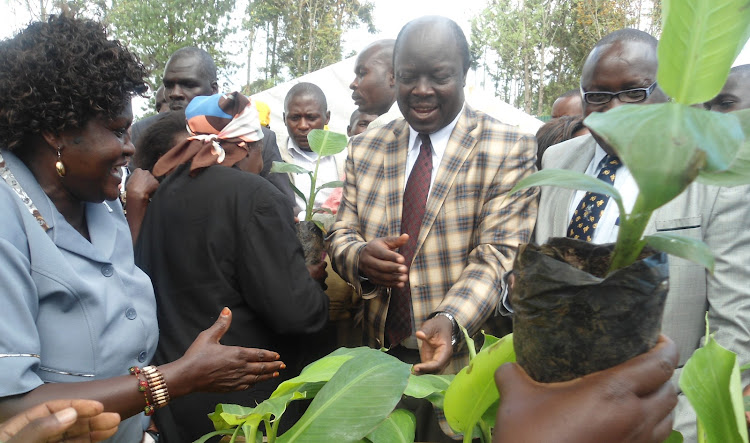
column 130, row 314
column 142, row 356
column 108, row 270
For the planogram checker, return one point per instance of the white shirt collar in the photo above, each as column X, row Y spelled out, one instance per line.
column 439, row 138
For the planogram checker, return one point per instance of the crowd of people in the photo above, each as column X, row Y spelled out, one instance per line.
column 121, row 244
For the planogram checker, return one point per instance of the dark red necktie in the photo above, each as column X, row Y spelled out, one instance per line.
column 398, row 321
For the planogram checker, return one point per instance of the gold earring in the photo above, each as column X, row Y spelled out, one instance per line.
column 59, row 164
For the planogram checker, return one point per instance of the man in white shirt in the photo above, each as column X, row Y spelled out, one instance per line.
column 305, row 109
column 622, row 69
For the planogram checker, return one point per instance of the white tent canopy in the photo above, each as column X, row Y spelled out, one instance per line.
column 334, row 80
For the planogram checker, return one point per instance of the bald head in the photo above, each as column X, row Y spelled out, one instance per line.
column 433, row 22
column 620, row 69
column 568, row 104
column 190, row 72
column 735, row 94
column 373, row 88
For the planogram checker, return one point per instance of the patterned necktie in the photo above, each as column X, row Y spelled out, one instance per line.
column 589, row 211
column 398, row 320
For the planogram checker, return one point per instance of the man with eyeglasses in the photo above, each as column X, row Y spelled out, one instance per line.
column 621, row 69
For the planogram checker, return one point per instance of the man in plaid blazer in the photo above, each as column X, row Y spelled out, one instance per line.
column 471, row 225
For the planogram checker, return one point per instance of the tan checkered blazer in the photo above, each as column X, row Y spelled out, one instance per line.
column 471, row 227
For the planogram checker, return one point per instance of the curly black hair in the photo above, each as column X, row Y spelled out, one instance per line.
column 59, row 74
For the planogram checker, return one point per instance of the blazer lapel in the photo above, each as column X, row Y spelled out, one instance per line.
column 459, row 147
column 576, row 160
column 394, row 168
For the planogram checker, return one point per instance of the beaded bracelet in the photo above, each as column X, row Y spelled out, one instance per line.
column 143, row 386
column 157, row 385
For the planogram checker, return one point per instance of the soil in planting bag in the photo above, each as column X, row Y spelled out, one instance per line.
column 572, row 319
column 311, row 237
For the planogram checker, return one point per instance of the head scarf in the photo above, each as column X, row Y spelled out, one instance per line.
column 221, row 126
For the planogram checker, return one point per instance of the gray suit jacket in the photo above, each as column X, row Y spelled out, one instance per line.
column 719, row 217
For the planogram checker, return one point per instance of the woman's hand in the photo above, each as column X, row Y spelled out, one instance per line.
column 209, row 366
column 69, row 420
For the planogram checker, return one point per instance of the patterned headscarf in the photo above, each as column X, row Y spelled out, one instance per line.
column 221, row 126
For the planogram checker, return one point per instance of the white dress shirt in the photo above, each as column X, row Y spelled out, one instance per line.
column 439, row 140
column 609, row 224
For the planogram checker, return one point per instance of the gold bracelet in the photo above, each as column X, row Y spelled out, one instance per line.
column 157, row 385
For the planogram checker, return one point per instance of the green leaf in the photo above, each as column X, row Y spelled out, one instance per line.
column 738, row 172
column 288, row 168
column 674, row 437
column 564, row 178
column 429, row 386
column 684, row 247
column 210, row 435
column 744, row 367
column 680, row 140
column 331, row 185
column 399, row 427
column 746, row 402
column 298, row 193
column 469, row 343
column 228, row 415
column 489, row 340
column 318, row 371
column 356, row 399
column 473, row 390
column 711, row 381
column 700, row 41
column 326, row 143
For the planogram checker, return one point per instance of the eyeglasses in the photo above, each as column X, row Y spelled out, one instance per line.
column 628, row 96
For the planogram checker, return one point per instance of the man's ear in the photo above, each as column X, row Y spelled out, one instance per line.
column 215, row 87
column 328, row 116
column 391, row 78
column 283, row 117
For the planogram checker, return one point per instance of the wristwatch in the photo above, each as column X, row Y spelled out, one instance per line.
column 455, row 335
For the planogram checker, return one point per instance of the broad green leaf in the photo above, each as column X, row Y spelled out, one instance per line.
column 317, row 371
column 684, row 247
column 326, row 143
column 429, row 386
column 738, row 172
column 564, row 178
column 665, row 145
column 399, row 427
column 331, row 185
column 674, row 437
column 711, row 381
column 473, row 390
column 355, row 400
column 699, row 43
column 288, row 168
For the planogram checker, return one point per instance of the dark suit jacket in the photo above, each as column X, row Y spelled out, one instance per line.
column 224, row 238
column 270, row 155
